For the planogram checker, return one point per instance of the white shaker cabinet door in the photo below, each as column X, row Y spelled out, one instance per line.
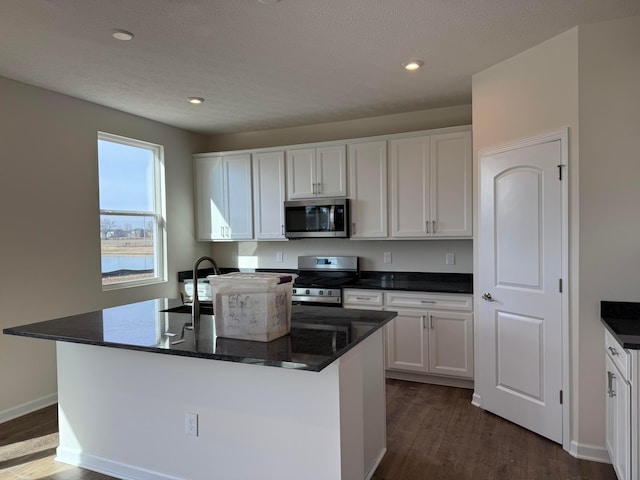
column 331, row 171
column 618, row 421
column 451, row 343
column 451, row 179
column 223, row 197
column 268, row 195
column 407, row 342
column 368, row 189
column 240, row 210
column 210, row 198
column 409, row 187
column 301, row 173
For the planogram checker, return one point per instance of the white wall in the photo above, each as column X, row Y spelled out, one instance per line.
column 529, row 94
column 49, row 245
column 609, row 78
column 407, row 255
column 364, row 127
column 586, row 79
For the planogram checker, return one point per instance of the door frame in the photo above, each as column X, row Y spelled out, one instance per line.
column 561, row 135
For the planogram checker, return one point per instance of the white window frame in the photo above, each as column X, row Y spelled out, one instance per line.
column 159, row 213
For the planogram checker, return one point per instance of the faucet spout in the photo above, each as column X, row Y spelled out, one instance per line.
column 195, row 309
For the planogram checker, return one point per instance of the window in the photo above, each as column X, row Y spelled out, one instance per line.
column 132, row 225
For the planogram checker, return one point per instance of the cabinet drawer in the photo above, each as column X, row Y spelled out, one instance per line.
column 428, row 301
column 361, row 297
column 620, row 357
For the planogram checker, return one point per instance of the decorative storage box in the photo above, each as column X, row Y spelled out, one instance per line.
column 252, row 306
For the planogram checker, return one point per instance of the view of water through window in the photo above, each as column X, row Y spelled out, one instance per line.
column 128, row 211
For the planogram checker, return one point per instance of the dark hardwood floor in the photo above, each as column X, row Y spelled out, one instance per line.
column 433, row 433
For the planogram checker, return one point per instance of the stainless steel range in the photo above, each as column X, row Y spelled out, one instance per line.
column 321, row 278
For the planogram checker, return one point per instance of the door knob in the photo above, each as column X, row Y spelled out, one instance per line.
column 487, row 296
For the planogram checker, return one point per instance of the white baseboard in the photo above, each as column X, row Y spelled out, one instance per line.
column 28, row 407
column 375, row 465
column 475, row 400
column 432, row 379
column 108, row 467
column 589, row 452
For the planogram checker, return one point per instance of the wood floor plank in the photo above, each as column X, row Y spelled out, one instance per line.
column 433, row 433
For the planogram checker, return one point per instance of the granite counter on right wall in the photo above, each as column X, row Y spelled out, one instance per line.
column 622, row 320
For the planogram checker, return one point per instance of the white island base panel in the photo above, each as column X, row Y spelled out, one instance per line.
column 122, row 413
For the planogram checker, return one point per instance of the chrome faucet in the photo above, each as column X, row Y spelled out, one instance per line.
column 195, row 305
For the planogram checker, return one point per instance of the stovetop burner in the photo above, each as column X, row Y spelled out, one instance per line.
column 320, row 279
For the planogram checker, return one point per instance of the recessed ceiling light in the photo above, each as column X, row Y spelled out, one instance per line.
column 196, row 100
column 413, row 65
column 268, row 2
column 122, row 35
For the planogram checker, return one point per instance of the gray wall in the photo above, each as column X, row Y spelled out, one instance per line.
column 49, row 245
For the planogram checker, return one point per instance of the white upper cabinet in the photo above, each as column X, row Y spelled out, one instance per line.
column 430, row 186
column 368, row 189
column 409, row 187
column 268, row 195
column 210, row 201
column 223, row 193
column 317, row 172
column 406, row 186
column 451, row 178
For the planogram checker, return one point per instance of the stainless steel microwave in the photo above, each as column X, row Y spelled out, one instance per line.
column 316, row 218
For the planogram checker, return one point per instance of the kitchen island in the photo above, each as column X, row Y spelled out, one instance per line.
column 308, row 405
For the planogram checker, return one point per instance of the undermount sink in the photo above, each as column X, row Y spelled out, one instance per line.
column 204, row 309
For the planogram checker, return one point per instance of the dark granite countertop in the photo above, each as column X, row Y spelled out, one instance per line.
column 380, row 280
column 622, row 319
column 415, row 282
column 319, row 335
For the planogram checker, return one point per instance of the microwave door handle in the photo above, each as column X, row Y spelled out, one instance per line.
column 332, row 219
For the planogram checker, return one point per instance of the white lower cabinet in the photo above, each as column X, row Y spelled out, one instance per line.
column 619, row 409
column 431, row 341
column 432, row 333
column 408, row 342
column 451, row 343
column 362, row 299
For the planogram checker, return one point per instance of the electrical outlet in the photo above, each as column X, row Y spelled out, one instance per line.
column 387, row 257
column 191, row 424
column 450, row 258
column 279, row 257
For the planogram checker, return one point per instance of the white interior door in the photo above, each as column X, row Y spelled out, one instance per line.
column 520, row 270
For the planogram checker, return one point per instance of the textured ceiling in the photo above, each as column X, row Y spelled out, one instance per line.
column 296, row 62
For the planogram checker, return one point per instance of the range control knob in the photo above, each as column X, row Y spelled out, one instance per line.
column 329, row 293
column 294, row 291
column 307, row 292
column 321, row 292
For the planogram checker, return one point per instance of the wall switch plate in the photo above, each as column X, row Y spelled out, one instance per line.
column 450, row 258
column 279, row 257
column 191, row 424
column 387, row 257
